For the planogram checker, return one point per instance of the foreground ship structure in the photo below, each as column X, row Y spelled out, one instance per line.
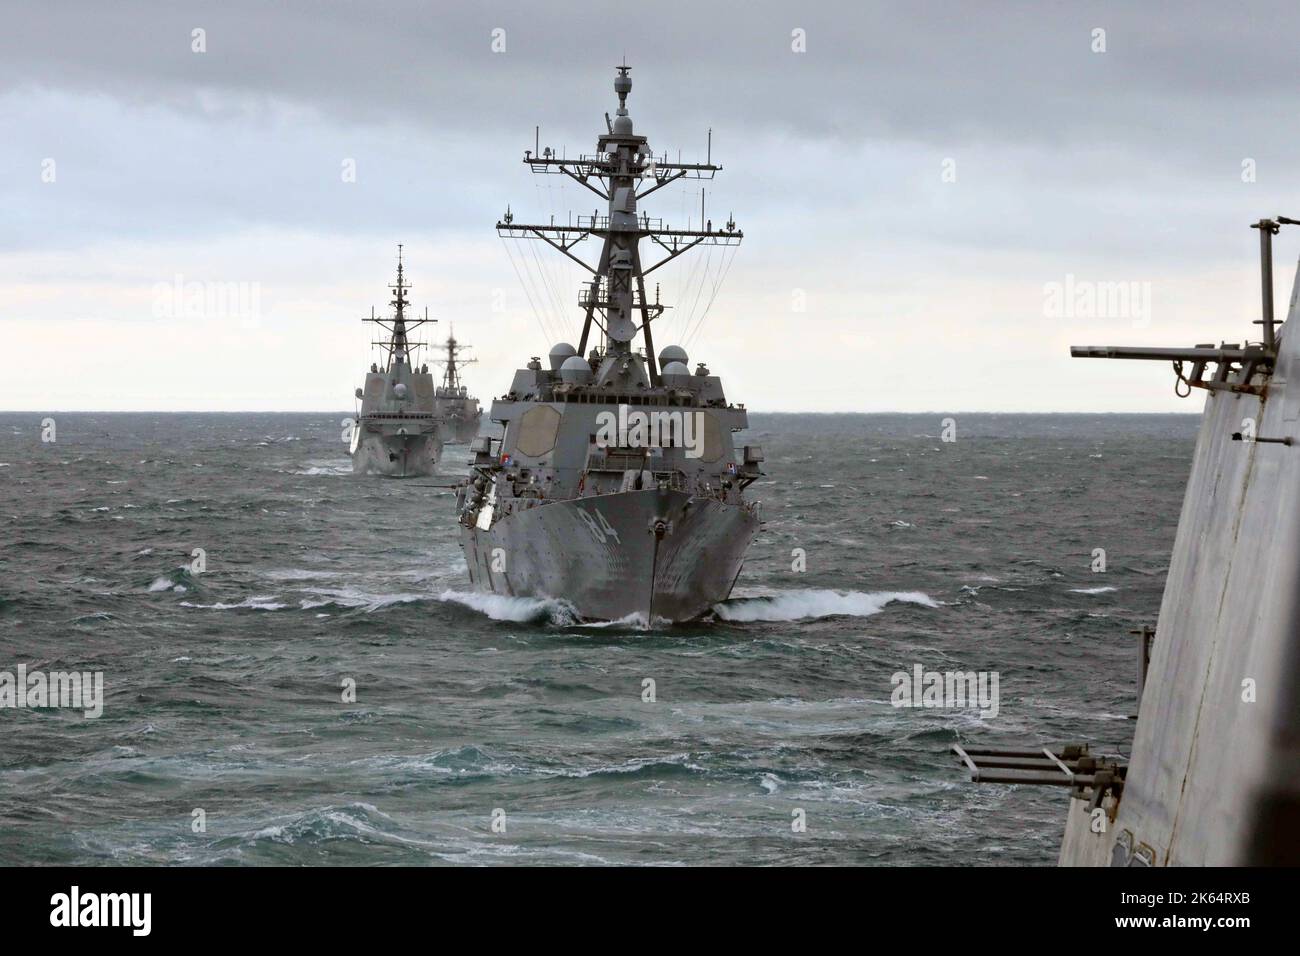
column 1214, row 774
column 397, row 432
column 616, row 486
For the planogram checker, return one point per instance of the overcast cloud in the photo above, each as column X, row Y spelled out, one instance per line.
column 868, row 279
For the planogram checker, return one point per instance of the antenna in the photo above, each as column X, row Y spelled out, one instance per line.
column 398, row 345
column 451, row 376
column 618, row 175
column 1267, row 230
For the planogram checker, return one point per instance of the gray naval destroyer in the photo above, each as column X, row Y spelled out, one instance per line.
column 1214, row 774
column 458, row 410
column 396, row 432
column 616, row 486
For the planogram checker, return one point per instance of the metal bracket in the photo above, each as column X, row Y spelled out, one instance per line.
column 1072, row 766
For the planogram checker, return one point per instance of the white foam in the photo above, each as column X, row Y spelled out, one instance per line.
column 261, row 603
column 1092, row 590
column 501, row 607
column 636, row 620
column 325, row 468
column 816, row 602
column 351, row 597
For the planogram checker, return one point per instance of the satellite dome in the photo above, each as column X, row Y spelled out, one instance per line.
column 575, row 370
column 676, row 374
column 399, row 390
column 559, row 352
column 623, row 125
column 673, row 353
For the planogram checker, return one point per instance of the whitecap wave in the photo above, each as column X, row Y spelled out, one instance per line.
column 816, row 602
column 318, row 468
column 501, row 607
column 1105, row 590
column 636, row 621
column 261, row 603
column 171, row 582
column 353, row 598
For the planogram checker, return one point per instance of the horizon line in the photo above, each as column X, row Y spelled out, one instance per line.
column 326, row 411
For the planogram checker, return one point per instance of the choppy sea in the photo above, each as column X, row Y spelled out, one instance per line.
column 491, row 730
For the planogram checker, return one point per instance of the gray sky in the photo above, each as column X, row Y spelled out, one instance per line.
column 931, row 193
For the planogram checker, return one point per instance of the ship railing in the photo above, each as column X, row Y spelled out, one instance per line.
column 589, row 396
column 620, row 461
column 599, row 297
column 599, row 223
column 599, row 164
column 673, row 480
column 404, row 415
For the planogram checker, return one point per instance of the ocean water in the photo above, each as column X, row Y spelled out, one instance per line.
column 490, row 730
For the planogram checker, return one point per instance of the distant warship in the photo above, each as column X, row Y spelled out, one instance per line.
column 616, row 485
column 1214, row 775
column 459, row 410
column 397, row 429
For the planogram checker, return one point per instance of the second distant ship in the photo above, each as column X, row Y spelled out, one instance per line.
column 458, row 409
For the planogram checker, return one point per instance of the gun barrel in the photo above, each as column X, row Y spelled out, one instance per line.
column 1202, row 354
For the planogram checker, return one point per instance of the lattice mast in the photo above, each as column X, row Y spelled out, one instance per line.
column 622, row 172
column 398, row 346
column 453, row 363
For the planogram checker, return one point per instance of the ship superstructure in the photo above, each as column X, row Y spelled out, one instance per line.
column 397, row 427
column 459, row 410
column 616, row 485
column 1214, row 774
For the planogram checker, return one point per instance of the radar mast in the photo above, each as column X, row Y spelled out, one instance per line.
column 622, row 172
column 398, row 346
column 453, row 364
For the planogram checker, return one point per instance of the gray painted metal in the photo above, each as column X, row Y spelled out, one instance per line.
column 394, row 455
column 614, row 521
column 601, row 554
column 398, row 428
column 458, row 410
column 1214, row 777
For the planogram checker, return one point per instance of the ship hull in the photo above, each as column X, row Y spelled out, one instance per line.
column 465, row 431
column 395, row 456
column 460, row 420
column 601, row 553
column 460, row 431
